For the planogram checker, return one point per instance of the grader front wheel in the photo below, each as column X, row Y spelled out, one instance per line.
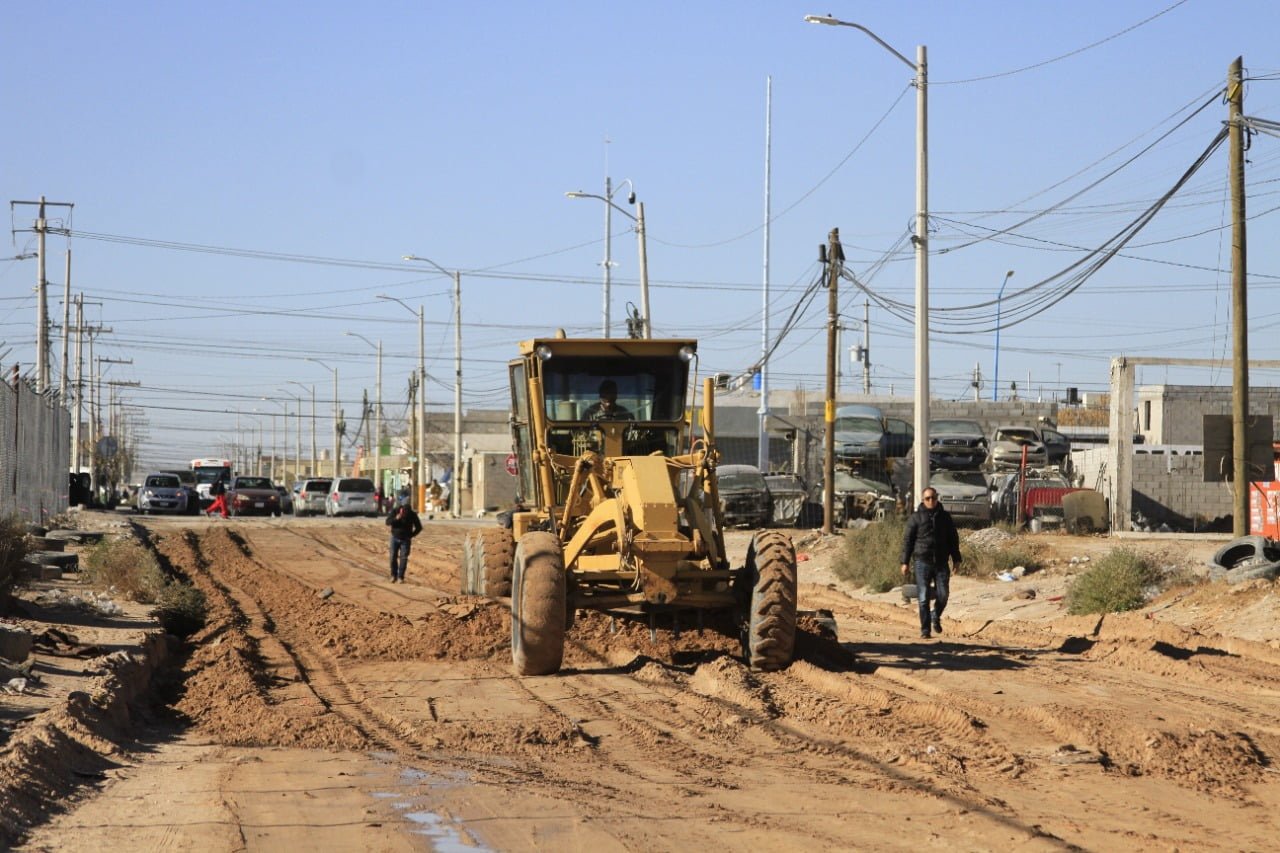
column 770, row 630
column 538, row 588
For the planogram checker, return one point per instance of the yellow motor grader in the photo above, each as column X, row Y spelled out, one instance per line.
column 619, row 509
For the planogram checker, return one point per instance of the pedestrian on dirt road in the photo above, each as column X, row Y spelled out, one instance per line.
column 405, row 525
column 218, row 488
column 931, row 539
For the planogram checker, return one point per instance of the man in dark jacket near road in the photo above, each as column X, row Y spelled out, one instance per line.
column 405, row 525
column 930, row 539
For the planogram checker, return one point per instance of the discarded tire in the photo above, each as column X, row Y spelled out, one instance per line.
column 537, row 605
column 81, row 536
column 770, row 638
column 55, row 558
column 1246, row 558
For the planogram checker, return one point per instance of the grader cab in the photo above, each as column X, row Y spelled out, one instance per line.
column 619, row 509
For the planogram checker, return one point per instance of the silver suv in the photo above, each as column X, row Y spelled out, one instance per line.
column 351, row 496
column 310, row 497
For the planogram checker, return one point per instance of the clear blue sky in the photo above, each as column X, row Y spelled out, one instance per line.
column 453, row 130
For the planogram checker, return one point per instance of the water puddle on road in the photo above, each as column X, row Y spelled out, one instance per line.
column 444, row 835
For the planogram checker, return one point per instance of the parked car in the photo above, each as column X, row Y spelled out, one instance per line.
column 311, row 497
column 744, row 496
column 351, row 496
column 252, row 496
column 964, row 494
column 899, row 438
column 162, row 492
column 790, row 498
column 957, row 445
column 861, row 439
column 857, row 495
column 1008, row 442
column 286, row 498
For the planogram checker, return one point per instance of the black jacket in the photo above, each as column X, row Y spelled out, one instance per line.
column 404, row 522
column 931, row 536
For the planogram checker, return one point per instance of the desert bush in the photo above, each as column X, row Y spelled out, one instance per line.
column 1119, row 581
column 870, row 555
column 13, row 547
column 125, row 568
column 988, row 560
column 181, row 608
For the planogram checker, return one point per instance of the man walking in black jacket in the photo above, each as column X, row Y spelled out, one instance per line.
column 405, row 525
column 931, row 539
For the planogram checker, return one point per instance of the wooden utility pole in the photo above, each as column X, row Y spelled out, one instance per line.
column 1239, row 306
column 834, row 261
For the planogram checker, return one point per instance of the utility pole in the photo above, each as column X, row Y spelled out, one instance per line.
column 42, row 306
column 66, row 332
column 977, row 380
column 866, row 347
column 1239, row 301
column 833, row 257
column 76, row 413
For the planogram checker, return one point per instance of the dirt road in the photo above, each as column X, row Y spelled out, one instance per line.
column 386, row 717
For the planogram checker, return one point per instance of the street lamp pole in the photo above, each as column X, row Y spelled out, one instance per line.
column 337, row 435
column 377, row 453
column 921, row 241
column 297, row 435
column 455, row 490
column 422, row 399
column 638, row 219
column 995, row 372
column 314, row 470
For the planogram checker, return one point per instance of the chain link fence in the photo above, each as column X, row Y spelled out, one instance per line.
column 35, row 453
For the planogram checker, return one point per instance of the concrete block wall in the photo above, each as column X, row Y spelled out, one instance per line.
column 1167, row 488
column 1174, row 414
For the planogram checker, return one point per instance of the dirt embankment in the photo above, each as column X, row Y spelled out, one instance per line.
column 1021, row 727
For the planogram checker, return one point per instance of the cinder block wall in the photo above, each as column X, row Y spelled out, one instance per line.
column 1166, row 488
column 1174, row 414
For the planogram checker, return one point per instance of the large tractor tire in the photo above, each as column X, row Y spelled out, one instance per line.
column 538, row 605
column 493, row 551
column 769, row 640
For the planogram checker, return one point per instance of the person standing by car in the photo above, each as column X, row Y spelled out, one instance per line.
column 218, row 488
column 405, row 525
column 931, row 538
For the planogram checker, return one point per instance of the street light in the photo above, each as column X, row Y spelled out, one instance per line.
column 377, row 453
column 638, row 219
column 314, row 470
column 337, row 434
column 273, row 434
column 297, row 435
column 921, row 240
column 422, row 399
column 455, row 491
column 995, row 373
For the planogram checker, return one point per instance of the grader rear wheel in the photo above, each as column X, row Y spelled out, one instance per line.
column 538, row 605
column 493, row 551
column 770, row 630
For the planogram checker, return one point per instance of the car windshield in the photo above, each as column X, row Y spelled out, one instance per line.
column 162, row 482
column 958, row 478
column 253, row 483
column 741, row 478
column 785, row 482
column 859, row 425
column 955, row 428
column 1016, row 435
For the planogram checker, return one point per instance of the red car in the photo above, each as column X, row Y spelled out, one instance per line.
column 252, row 496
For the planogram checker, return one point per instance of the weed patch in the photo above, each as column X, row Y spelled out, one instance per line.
column 13, row 547
column 870, row 555
column 125, row 568
column 1119, row 581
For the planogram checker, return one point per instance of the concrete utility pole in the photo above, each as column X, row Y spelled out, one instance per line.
column 834, row 259
column 866, row 347
column 1239, row 301
column 66, row 331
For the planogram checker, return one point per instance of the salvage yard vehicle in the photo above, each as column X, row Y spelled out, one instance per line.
column 744, row 496
column 964, row 494
column 858, row 496
column 957, row 444
column 789, row 500
column 1014, row 446
column 861, row 438
column 622, row 513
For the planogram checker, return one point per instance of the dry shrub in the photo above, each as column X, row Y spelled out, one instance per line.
column 125, row 568
column 1122, row 580
column 181, row 608
column 985, row 561
column 870, row 555
column 13, row 547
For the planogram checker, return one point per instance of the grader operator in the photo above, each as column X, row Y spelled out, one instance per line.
column 619, row 504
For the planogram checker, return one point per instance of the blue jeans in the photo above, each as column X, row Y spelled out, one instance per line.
column 941, row 578
column 399, row 556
